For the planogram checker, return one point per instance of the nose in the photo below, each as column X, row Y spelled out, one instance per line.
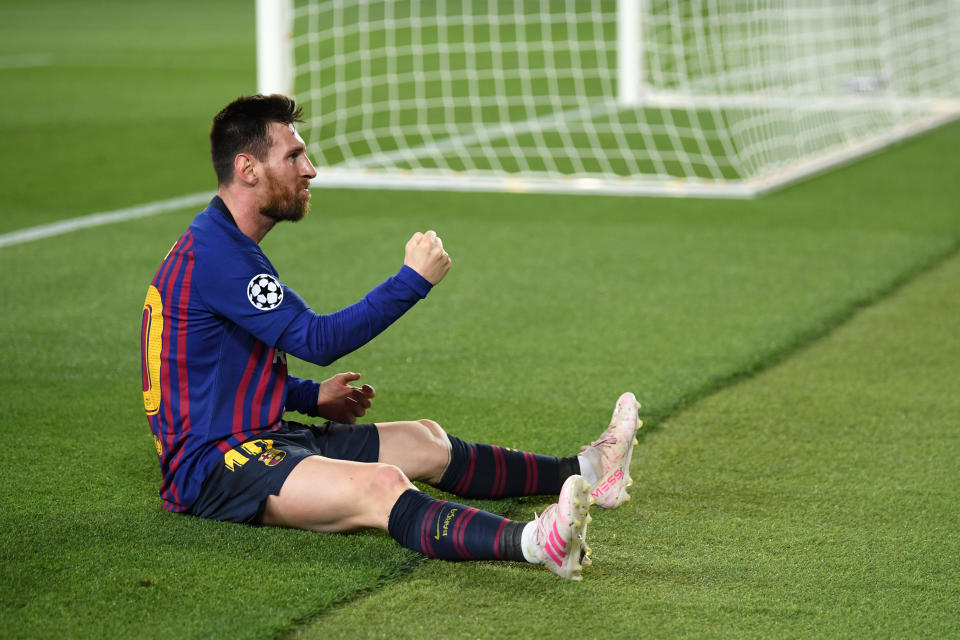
column 307, row 169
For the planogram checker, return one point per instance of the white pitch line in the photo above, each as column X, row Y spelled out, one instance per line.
column 106, row 217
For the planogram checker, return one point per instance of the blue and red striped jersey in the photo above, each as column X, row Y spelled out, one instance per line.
column 212, row 373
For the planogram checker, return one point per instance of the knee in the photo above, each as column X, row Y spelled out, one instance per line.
column 438, row 448
column 372, row 504
column 388, row 481
column 435, row 438
column 434, row 431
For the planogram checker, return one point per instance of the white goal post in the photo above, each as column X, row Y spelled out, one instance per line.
column 716, row 98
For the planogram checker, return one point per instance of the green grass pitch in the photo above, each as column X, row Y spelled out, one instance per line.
column 797, row 358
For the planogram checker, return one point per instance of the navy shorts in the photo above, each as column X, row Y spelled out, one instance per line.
column 237, row 490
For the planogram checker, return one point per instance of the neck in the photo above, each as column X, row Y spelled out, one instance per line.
column 246, row 213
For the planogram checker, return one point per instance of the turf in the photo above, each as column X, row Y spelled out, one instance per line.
column 553, row 307
column 813, row 500
column 118, row 112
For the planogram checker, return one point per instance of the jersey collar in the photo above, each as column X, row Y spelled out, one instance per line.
column 221, row 206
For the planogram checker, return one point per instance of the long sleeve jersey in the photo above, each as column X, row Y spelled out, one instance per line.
column 216, row 325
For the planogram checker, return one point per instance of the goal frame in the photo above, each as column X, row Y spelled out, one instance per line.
column 276, row 74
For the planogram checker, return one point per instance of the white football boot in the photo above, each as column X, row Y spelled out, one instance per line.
column 610, row 454
column 557, row 537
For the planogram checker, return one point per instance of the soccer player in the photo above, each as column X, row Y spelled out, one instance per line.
column 217, row 326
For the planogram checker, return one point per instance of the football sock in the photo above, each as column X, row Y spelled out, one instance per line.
column 528, row 541
column 590, row 465
column 451, row 531
column 489, row 471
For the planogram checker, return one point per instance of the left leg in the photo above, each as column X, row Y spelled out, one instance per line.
column 424, row 451
column 420, row 448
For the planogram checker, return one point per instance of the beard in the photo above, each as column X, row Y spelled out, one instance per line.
column 284, row 205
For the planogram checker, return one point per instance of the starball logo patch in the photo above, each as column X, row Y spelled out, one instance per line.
column 265, row 292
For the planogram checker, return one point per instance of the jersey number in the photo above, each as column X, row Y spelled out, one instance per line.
column 151, row 343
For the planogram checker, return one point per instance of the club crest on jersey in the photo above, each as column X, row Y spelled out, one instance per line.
column 265, row 292
column 272, row 457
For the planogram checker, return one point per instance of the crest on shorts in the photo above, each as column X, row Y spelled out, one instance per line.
column 265, row 292
column 272, row 457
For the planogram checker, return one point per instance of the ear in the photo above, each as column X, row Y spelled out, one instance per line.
column 245, row 168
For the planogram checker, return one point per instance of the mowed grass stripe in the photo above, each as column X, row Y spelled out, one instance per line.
column 814, row 500
column 119, row 113
column 555, row 305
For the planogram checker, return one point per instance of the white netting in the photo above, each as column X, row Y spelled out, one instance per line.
column 732, row 96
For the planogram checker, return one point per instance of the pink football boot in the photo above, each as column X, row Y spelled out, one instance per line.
column 610, row 454
column 559, row 542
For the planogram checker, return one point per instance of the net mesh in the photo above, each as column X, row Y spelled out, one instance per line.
column 733, row 95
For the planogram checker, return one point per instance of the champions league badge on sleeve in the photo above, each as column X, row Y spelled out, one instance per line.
column 265, row 292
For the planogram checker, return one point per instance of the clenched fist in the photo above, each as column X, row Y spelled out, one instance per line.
column 426, row 256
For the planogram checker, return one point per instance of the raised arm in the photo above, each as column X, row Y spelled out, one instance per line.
column 322, row 339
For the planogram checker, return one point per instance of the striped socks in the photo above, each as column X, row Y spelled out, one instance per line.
column 451, row 531
column 490, row 471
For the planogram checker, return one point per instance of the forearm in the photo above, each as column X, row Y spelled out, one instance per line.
column 322, row 339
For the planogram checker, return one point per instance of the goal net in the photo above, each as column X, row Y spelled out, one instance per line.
column 667, row 97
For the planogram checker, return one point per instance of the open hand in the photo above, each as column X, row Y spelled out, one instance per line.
column 340, row 402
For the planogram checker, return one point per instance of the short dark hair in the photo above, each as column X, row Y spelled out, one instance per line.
column 241, row 127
